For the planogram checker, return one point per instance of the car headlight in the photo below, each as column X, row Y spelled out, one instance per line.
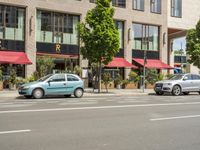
column 26, row 88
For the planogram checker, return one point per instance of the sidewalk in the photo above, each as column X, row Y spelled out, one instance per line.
column 89, row 92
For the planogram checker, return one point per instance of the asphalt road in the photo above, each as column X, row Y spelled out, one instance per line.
column 101, row 123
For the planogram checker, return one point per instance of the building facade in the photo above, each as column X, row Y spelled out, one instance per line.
column 48, row 27
column 182, row 16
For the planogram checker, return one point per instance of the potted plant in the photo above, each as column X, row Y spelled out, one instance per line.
column 118, row 81
column 78, row 70
column 1, row 80
column 125, row 83
column 151, row 78
column 12, row 79
column 133, row 80
column 107, row 81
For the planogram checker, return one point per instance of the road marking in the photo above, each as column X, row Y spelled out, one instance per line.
column 97, row 107
column 79, row 103
column 15, row 131
column 173, row 118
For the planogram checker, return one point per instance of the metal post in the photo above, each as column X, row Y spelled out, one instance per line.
column 144, row 71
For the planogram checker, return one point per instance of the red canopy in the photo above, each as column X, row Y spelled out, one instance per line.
column 9, row 57
column 153, row 63
column 120, row 63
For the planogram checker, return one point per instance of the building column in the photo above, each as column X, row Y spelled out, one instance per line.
column 127, row 45
column 30, row 39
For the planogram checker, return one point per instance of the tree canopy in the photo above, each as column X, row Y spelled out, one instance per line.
column 98, row 34
column 193, row 45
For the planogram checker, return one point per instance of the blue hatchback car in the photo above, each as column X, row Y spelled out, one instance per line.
column 54, row 84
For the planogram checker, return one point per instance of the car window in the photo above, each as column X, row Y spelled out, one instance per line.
column 195, row 77
column 72, row 78
column 189, row 76
column 58, row 78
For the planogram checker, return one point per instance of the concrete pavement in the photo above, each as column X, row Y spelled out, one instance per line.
column 89, row 92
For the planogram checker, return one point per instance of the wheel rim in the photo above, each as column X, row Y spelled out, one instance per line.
column 177, row 90
column 38, row 93
column 79, row 93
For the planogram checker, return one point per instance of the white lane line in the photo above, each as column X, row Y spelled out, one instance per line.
column 96, row 107
column 80, row 103
column 173, row 118
column 14, row 131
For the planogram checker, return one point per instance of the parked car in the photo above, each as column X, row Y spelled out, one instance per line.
column 178, row 84
column 53, row 84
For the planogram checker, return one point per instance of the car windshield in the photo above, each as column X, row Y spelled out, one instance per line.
column 44, row 78
column 176, row 77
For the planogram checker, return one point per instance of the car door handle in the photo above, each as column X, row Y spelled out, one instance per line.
column 64, row 84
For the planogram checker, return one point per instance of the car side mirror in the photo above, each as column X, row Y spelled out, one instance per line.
column 185, row 78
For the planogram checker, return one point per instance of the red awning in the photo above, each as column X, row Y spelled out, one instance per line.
column 153, row 63
column 57, row 55
column 9, row 57
column 120, row 63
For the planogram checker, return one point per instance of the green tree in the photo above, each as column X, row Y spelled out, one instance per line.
column 99, row 36
column 193, row 45
column 44, row 66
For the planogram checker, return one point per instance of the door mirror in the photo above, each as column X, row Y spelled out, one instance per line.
column 185, row 78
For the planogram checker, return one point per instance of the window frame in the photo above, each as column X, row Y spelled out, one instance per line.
column 172, row 7
column 147, row 32
column 136, row 5
column 152, row 7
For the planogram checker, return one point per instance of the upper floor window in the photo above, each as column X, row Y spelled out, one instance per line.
column 176, row 8
column 12, row 23
column 138, row 5
column 119, row 3
column 92, row 1
column 145, row 37
column 116, row 3
column 120, row 27
column 53, row 27
column 156, row 6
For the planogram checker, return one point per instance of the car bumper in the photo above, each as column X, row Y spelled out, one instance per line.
column 163, row 89
column 24, row 92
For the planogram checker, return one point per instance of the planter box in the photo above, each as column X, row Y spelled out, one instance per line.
column 131, row 86
column 1, row 85
column 149, row 86
column 110, row 86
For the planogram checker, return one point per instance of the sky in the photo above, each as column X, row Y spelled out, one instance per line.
column 177, row 43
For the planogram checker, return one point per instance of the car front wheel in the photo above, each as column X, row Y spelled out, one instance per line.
column 78, row 93
column 38, row 93
column 176, row 90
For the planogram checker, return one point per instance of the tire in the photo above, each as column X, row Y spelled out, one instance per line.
column 186, row 93
column 67, row 96
column 199, row 93
column 176, row 91
column 78, row 93
column 159, row 93
column 38, row 93
column 28, row 96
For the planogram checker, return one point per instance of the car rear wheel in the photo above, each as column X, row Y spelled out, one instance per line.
column 78, row 93
column 186, row 93
column 159, row 93
column 176, row 90
column 38, row 93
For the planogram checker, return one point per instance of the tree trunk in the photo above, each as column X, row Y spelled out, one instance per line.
column 99, row 73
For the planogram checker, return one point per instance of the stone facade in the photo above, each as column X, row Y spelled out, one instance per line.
column 128, row 15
